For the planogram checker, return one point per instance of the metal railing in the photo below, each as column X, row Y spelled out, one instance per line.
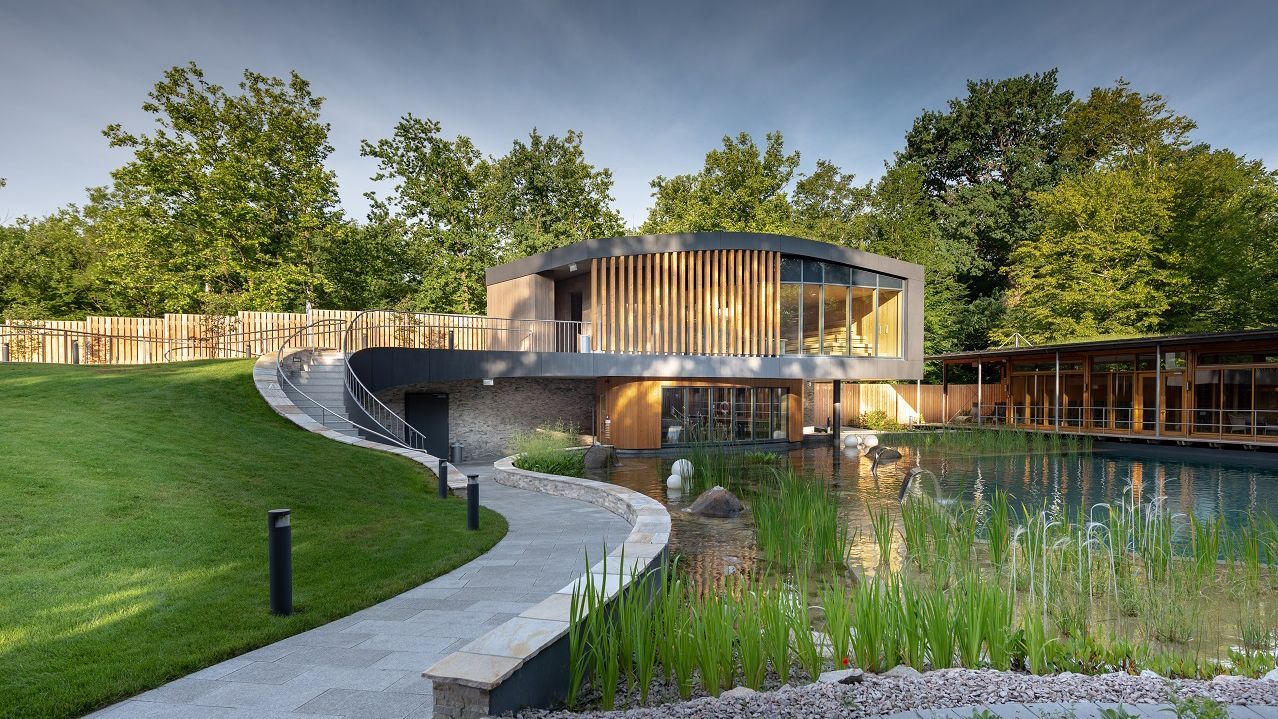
column 1259, row 424
column 341, row 417
column 422, row 330
column 428, row 330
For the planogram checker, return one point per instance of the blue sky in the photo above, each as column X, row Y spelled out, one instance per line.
column 652, row 85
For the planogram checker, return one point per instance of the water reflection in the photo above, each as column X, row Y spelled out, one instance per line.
column 1065, row 484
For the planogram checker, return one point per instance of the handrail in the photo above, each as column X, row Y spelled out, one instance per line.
column 283, row 376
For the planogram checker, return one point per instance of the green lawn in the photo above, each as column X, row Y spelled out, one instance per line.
column 133, row 528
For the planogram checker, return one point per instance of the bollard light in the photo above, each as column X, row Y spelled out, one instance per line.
column 472, row 502
column 279, row 548
column 443, row 479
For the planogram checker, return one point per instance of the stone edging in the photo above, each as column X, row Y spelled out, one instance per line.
column 267, row 381
column 524, row 662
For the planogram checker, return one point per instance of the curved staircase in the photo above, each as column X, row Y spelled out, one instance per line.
column 315, row 382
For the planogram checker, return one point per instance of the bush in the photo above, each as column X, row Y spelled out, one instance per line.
column 546, row 449
column 878, row 420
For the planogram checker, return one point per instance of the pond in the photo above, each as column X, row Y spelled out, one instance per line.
column 1207, row 484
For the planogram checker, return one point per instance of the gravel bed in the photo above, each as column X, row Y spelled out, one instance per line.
column 879, row 695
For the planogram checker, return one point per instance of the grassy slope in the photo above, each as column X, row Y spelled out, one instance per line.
column 133, row 528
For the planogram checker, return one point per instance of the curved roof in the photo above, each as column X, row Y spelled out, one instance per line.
column 586, row 250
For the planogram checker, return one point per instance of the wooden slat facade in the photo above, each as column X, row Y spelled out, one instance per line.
column 904, row 402
column 700, row 302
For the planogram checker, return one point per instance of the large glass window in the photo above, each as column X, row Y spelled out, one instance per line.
column 835, row 330
column 833, row 309
column 889, row 323
column 1267, row 401
column 811, row 319
column 1207, row 401
column 722, row 414
column 1236, row 396
column 790, row 310
column 861, row 337
column 1174, row 402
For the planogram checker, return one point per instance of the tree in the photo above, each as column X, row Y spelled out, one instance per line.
column 543, row 194
column 226, row 204
column 1119, row 127
column 741, row 188
column 437, row 204
column 47, row 265
column 899, row 222
column 1224, row 228
column 1100, row 267
column 981, row 161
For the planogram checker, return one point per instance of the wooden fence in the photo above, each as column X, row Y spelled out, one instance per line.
column 176, row 337
column 903, row 402
column 171, row 338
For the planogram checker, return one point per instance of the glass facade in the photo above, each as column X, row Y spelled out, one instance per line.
column 1226, row 395
column 837, row 310
column 723, row 414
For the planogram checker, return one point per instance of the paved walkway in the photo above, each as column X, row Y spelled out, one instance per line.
column 369, row 664
column 1081, row 710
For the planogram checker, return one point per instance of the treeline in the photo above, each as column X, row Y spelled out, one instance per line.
column 1033, row 211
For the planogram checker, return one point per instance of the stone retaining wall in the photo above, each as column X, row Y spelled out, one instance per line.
column 486, row 418
column 524, row 662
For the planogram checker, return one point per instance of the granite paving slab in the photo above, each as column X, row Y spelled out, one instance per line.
column 370, row 663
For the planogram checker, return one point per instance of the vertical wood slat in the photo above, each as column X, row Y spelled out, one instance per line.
column 594, row 302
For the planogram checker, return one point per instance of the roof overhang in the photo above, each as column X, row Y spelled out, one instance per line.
column 1165, row 341
column 557, row 261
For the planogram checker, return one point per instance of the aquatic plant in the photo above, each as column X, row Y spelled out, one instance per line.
column 837, row 610
column 884, row 531
column 799, row 522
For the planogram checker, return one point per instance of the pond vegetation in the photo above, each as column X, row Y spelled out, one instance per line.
column 1124, row 585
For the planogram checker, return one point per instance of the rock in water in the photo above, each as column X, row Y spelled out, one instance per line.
column 882, row 453
column 717, row 502
column 600, row 456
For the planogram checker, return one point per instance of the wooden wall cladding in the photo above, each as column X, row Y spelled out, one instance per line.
column 524, row 298
column 717, row 302
column 634, row 407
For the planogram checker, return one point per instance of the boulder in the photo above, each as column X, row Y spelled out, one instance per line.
column 1272, row 676
column 902, row 671
column 600, row 456
column 717, row 502
column 842, row 676
column 882, row 453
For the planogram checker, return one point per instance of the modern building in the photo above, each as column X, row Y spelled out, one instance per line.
column 651, row 341
column 1217, row 388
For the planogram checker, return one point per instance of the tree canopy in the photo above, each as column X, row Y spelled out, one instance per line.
column 1031, row 210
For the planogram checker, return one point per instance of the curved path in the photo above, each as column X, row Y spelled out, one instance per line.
column 370, row 663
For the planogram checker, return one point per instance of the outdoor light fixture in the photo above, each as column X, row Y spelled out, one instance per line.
column 572, row 267
column 488, row 383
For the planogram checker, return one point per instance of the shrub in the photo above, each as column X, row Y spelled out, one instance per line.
column 546, row 449
column 878, row 420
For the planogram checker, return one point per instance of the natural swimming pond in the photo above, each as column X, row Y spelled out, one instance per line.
column 1207, row 484
column 1007, row 550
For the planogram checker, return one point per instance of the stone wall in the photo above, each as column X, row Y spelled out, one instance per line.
column 486, row 419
